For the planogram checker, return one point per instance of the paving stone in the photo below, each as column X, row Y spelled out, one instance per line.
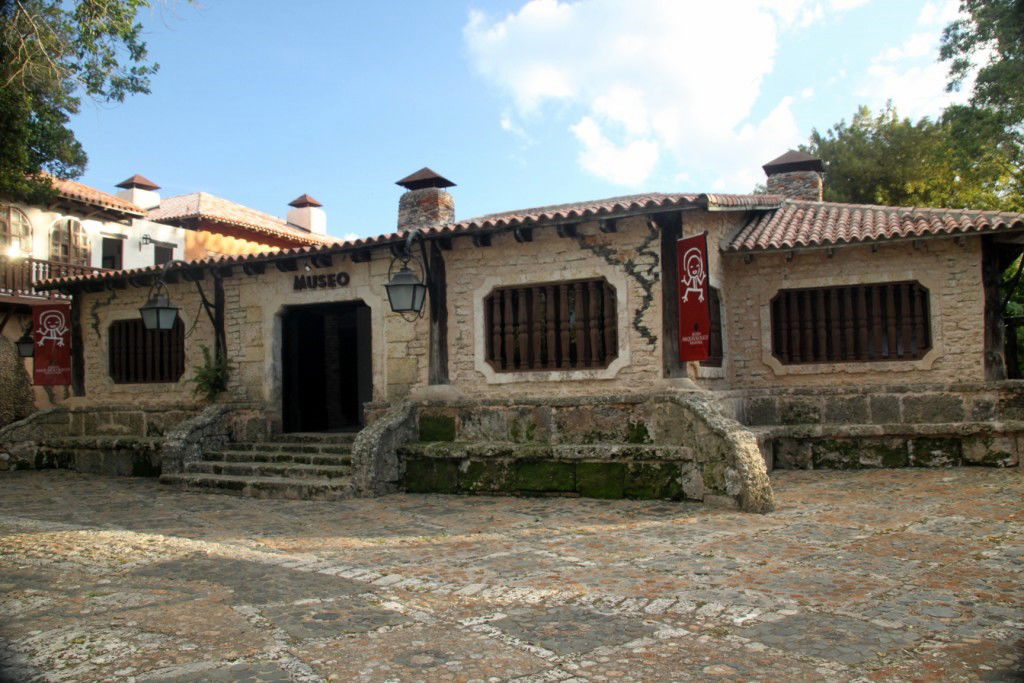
column 860, row 575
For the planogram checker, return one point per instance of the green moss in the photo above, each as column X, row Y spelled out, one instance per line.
column 544, row 475
column 636, row 432
column 894, row 457
column 834, row 454
column 437, row 428
column 485, row 476
column 653, row 480
column 600, row 479
column 431, row 475
column 520, row 431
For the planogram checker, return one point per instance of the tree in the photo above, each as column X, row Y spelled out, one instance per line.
column 52, row 52
column 991, row 31
column 958, row 161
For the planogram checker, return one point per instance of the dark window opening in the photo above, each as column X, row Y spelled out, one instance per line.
column 555, row 326
column 113, row 253
column 714, row 359
column 859, row 323
column 141, row 356
column 162, row 255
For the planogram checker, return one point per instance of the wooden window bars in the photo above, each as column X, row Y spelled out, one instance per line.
column 858, row 323
column 141, row 356
column 554, row 326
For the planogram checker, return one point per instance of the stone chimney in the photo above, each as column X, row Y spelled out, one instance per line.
column 425, row 204
column 796, row 175
column 140, row 191
column 308, row 215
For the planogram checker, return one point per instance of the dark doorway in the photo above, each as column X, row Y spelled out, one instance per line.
column 326, row 366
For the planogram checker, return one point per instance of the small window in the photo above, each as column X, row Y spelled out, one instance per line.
column 162, row 255
column 113, row 251
column 15, row 232
column 139, row 356
column 860, row 323
column 714, row 359
column 554, row 326
column 69, row 242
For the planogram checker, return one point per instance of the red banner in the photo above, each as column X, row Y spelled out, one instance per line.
column 51, row 332
column 694, row 298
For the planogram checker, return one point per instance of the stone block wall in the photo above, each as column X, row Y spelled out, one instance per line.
column 671, row 446
column 950, row 272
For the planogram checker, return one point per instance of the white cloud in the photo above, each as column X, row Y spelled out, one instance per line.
column 910, row 74
column 649, row 83
column 350, row 236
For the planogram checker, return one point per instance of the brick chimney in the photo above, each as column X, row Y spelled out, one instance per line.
column 425, row 203
column 796, row 175
column 307, row 214
column 140, row 191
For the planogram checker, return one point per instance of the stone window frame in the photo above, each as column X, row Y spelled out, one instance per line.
column 615, row 278
column 927, row 280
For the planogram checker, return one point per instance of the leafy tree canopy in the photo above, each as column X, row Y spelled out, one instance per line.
column 52, row 52
column 990, row 38
column 962, row 160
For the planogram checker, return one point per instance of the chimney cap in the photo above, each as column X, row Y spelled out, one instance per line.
column 424, row 178
column 139, row 181
column 304, row 201
column 793, row 161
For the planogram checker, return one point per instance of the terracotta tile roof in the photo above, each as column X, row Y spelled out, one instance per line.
column 93, row 197
column 201, row 205
column 802, row 224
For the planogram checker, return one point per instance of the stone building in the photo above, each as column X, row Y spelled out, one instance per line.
column 547, row 356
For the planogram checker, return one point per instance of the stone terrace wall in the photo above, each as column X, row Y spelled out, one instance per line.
column 120, row 440
column 670, row 446
column 886, row 426
column 952, row 274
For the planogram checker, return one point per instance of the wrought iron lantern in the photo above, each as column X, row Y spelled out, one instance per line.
column 26, row 344
column 158, row 313
column 406, row 293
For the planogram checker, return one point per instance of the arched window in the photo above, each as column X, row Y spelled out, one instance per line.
column 15, row 231
column 69, row 242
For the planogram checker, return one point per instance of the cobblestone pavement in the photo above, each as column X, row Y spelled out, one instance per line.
column 870, row 575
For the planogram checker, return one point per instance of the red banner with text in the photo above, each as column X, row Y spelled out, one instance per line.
column 694, row 299
column 51, row 332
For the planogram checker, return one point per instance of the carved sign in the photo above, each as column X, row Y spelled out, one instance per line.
column 321, row 281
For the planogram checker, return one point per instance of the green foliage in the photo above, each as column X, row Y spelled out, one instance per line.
column 963, row 160
column 990, row 38
column 211, row 378
column 52, row 52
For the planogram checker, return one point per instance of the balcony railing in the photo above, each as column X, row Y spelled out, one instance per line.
column 19, row 275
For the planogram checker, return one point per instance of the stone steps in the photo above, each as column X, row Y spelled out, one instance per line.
column 264, row 469
column 261, row 487
column 280, row 457
column 302, row 466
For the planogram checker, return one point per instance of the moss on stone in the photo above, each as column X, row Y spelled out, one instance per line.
column 437, row 428
column 544, row 475
column 431, row 475
column 653, row 480
column 637, row 432
column 836, row 454
column 477, row 476
column 600, row 479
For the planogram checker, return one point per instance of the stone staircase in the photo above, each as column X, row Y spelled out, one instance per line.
column 310, row 466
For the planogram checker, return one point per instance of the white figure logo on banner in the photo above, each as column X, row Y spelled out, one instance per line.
column 693, row 266
column 52, row 327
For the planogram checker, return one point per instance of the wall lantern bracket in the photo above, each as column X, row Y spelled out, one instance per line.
column 158, row 313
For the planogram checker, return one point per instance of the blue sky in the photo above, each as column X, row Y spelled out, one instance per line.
column 519, row 103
